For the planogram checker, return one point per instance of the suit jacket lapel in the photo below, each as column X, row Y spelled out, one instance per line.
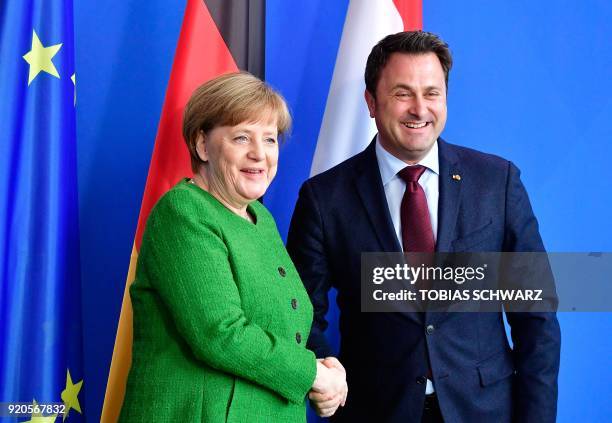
column 370, row 189
column 448, row 206
column 450, row 192
column 372, row 193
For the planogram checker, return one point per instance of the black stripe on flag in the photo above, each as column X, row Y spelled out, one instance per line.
column 242, row 24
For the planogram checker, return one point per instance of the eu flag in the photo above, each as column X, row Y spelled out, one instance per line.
column 40, row 293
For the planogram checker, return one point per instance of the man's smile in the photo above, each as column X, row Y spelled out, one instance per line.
column 415, row 125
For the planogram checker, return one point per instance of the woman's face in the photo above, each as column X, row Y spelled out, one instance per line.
column 242, row 160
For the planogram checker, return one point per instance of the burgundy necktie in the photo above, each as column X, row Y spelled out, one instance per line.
column 417, row 235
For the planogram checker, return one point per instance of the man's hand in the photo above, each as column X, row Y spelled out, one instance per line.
column 329, row 390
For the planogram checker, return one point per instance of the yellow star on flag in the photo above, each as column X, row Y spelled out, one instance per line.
column 70, row 395
column 39, row 58
column 39, row 418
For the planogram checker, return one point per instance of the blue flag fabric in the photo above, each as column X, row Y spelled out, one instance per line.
column 40, row 291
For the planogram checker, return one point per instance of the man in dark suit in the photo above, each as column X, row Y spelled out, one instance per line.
column 412, row 367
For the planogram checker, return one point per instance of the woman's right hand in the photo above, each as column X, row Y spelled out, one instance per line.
column 329, row 389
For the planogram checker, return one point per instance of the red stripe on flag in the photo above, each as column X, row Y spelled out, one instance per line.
column 201, row 54
column 411, row 12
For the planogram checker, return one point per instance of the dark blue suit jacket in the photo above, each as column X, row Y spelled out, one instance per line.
column 478, row 377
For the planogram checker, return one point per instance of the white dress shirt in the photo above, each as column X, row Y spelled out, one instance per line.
column 394, row 186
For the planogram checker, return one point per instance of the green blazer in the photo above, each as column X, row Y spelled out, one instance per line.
column 221, row 318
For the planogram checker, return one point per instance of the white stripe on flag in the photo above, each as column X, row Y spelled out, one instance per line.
column 347, row 127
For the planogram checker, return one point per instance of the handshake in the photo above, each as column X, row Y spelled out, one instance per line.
column 329, row 389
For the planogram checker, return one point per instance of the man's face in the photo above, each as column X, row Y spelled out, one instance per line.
column 410, row 105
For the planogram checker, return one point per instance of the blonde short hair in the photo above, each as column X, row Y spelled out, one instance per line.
column 229, row 100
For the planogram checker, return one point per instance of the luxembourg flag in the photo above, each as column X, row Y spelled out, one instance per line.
column 346, row 120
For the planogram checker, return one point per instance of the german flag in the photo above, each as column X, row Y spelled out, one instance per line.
column 217, row 37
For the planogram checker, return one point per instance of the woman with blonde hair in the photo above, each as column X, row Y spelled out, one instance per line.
column 221, row 317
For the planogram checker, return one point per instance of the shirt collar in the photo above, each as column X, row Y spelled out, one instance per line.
column 390, row 165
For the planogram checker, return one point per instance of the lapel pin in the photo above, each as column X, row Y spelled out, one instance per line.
column 457, row 177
